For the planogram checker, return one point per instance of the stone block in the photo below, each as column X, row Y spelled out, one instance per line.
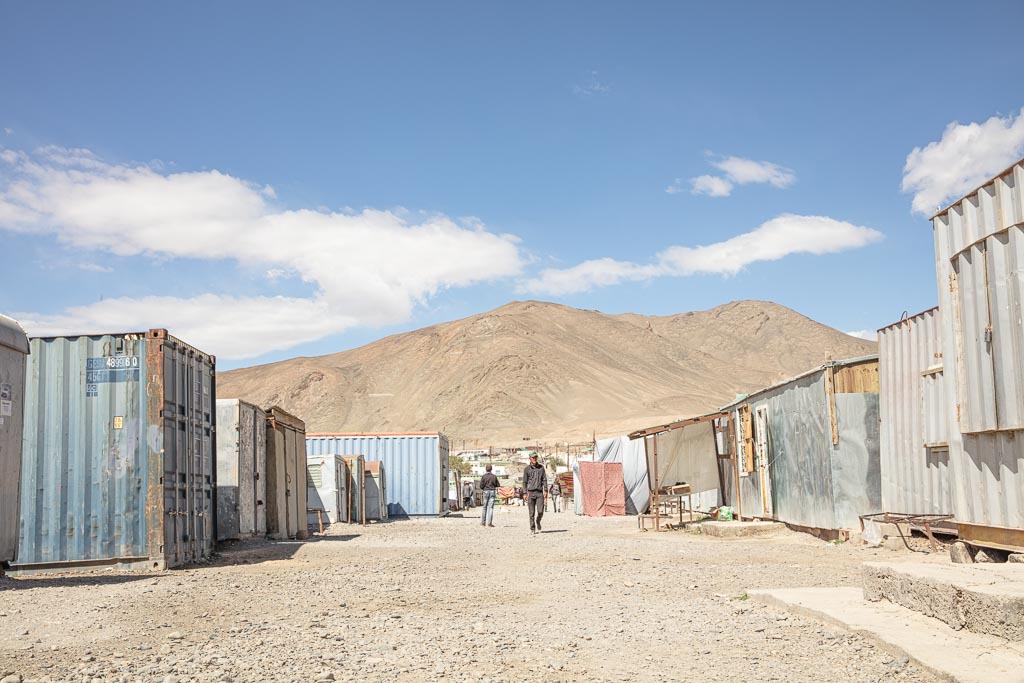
column 961, row 553
column 979, row 598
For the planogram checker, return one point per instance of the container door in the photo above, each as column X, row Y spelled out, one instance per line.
column 290, row 525
column 188, row 455
column 260, row 474
column 301, row 483
column 247, row 428
column 230, row 454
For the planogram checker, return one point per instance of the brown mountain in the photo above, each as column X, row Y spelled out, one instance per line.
column 546, row 371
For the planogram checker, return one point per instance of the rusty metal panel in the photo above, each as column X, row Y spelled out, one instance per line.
column 13, row 350
column 916, row 478
column 286, row 475
column 416, row 465
column 241, row 470
column 118, row 452
column 979, row 256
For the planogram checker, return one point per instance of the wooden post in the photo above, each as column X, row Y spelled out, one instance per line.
column 830, row 392
column 656, row 486
column 735, row 468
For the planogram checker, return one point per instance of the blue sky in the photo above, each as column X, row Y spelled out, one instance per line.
column 269, row 180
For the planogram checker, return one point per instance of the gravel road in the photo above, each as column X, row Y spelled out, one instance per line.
column 446, row 599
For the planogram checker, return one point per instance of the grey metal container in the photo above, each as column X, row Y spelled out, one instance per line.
column 327, row 487
column 13, row 350
column 286, row 475
column 241, row 470
column 916, row 477
column 979, row 255
column 119, row 452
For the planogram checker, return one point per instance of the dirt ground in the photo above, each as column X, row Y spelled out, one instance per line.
column 446, row 599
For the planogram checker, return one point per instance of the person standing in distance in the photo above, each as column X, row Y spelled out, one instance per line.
column 489, row 485
column 555, row 495
column 535, row 484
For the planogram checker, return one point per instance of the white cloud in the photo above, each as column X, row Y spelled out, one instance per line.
column 744, row 171
column 737, row 171
column 965, row 157
column 369, row 268
column 775, row 239
column 240, row 327
column 603, row 272
column 593, row 86
column 711, row 185
column 95, row 268
column 8, row 131
column 870, row 335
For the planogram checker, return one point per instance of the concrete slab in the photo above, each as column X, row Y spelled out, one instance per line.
column 959, row 656
column 983, row 598
column 740, row 529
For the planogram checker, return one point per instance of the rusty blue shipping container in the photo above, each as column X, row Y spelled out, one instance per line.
column 118, row 453
column 416, row 466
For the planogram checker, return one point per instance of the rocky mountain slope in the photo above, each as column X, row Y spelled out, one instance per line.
column 546, row 372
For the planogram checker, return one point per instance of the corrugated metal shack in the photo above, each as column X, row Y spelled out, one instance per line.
column 916, row 477
column 416, row 465
column 979, row 257
column 806, row 451
column 241, row 470
column 286, row 475
column 13, row 350
column 118, row 458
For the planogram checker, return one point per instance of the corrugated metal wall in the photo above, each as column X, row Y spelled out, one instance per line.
column 118, row 451
column 13, row 349
column 915, row 462
column 979, row 255
column 416, row 466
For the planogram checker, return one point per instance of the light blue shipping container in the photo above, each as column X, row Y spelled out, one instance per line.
column 416, row 466
column 119, row 451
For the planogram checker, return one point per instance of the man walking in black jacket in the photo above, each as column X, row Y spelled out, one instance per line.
column 535, row 483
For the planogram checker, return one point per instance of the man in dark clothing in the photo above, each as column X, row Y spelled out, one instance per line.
column 489, row 485
column 535, row 483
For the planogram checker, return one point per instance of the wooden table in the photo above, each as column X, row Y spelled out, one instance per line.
column 669, row 493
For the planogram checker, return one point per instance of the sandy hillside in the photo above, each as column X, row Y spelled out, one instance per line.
column 546, row 371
